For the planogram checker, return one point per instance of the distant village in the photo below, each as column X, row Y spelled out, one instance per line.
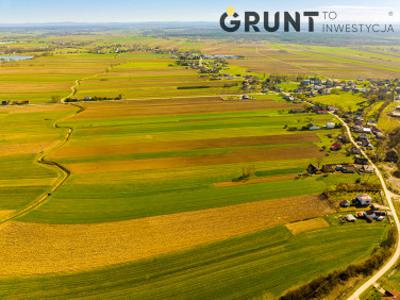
column 367, row 135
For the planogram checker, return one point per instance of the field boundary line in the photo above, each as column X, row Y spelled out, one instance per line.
column 41, row 160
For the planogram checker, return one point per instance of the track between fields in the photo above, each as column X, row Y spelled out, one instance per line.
column 41, row 160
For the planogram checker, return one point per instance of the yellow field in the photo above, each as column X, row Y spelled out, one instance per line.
column 307, row 225
column 45, row 248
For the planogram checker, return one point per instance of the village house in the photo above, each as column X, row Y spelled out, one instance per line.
column 392, row 156
column 396, row 112
column 357, row 129
column 354, row 150
column 329, row 168
column 336, row 146
column 344, row 203
column 330, row 125
column 314, row 127
column 348, row 169
column 311, row 169
column 359, row 160
column 363, row 200
column 350, row 218
column 366, row 169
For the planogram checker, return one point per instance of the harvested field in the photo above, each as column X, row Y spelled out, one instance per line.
column 21, row 149
column 234, row 157
column 307, row 225
column 6, row 212
column 175, row 106
column 44, row 248
column 151, row 147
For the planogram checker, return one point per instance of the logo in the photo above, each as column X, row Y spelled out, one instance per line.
column 251, row 21
column 230, row 21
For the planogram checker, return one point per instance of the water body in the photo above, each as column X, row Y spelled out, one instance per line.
column 15, row 57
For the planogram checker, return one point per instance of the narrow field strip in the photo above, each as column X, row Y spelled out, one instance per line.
column 252, row 155
column 154, row 147
column 307, row 225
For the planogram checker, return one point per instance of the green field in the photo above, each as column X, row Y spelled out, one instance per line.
column 345, row 101
column 181, row 189
column 24, row 134
column 243, row 267
column 178, row 175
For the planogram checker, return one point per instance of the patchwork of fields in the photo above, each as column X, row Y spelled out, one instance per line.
column 176, row 158
column 147, row 75
column 25, row 133
column 153, row 183
column 243, row 267
column 177, row 192
column 293, row 59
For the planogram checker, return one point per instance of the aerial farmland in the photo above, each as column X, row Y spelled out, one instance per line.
column 160, row 168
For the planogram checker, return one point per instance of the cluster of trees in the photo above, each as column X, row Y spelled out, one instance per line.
column 323, row 285
column 95, row 98
column 358, row 187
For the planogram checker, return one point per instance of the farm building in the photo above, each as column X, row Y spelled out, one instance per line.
column 328, row 168
column 336, row 146
column 245, row 97
column 366, row 169
column 344, row 203
column 330, row 125
column 314, row 127
column 360, row 160
column 392, row 156
column 311, row 169
column 348, row 169
column 396, row 112
column 350, row 218
column 354, row 150
column 364, row 200
column 367, row 130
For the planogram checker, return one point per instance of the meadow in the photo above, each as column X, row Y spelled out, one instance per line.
column 345, row 101
column 388, row 123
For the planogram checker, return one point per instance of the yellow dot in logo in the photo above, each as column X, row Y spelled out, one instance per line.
column 230, row 11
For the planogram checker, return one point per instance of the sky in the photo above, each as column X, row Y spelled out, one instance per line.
column 104, row 11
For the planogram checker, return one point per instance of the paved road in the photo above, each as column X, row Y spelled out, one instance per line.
column 393, row 260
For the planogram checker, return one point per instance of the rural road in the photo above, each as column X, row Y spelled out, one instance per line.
column 393, row 260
